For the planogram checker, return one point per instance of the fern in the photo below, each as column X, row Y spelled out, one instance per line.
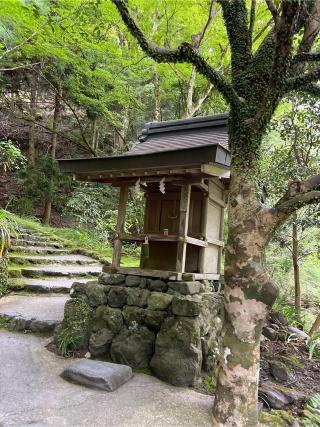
column 311, row 415
column 314, row 345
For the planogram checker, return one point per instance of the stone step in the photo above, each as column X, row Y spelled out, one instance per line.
column 39, row 250
column 68, row 270
column 29, row 236
column 52, row 285
column 32, row 313
column 27, row 242
column 52, row 259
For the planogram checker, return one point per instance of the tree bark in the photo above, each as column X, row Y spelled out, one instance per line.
column 296, row 269
column 34, row 82
column 54, row 143
column 249, row 295
column 316, row 326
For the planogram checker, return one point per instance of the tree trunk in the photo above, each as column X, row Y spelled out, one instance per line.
column 33, row 108
column 296, row 270
column 249, row 294
column 316, row 326
column 54, row 143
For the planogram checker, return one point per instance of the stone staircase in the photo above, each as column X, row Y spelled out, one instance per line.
column 41, row 273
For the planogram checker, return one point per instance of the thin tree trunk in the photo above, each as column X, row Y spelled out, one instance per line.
column 157, row 96
column 32, row 127
column 54, row 143
column 316, row 326
column 296, row 270
column 249, row 295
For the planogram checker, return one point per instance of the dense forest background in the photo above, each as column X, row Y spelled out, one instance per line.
column 75, row 84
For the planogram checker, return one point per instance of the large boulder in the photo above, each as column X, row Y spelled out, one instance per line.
column 74, row 331
column 107, row 318
column 133, row 347
column 178, row 355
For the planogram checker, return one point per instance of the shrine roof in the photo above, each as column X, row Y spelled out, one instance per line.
column 173, row 143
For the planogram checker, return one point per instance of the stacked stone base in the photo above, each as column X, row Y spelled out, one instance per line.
column 173, row 328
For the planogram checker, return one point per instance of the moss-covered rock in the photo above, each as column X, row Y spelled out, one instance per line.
column 275, row 418
column 109, row 318
column 178, row 354
column 133, row 315
column 133, row 347
column 74, row 331
column 159, row 301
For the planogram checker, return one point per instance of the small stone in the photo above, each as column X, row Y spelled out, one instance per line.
column 275, row 398
column 112, row 279
column 133, row 315
column 117, row 296
column 138, row 297
column 103, row 375
column 133, row 280
column 159, row 301
column 185, row 288
column 280, row 371
column 158, row 285
column 299, row 334
column 186, row 306
column 269, row 333
column 143, row 283
column 154, row 318
column 87, row 355
column 103, row 278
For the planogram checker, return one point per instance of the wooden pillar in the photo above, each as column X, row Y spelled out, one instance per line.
column 183, row 227
column 204, row 232
column 117, row 244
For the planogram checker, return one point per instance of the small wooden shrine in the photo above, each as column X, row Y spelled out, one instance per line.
column 183, row 168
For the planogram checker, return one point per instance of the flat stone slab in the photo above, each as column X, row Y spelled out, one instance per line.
column 62, row 270
column 29, row 242
column 93, row 373
column 54, row 284
column 34, row 313
column 33, row 393
column 38, row 250
column 53, row 259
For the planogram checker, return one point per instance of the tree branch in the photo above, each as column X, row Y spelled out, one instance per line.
column 184, row 53
column 299, row 193
column 236, row 19
column 273, row 10
column 302, row 80
column 251, row 26
column 306, row 57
